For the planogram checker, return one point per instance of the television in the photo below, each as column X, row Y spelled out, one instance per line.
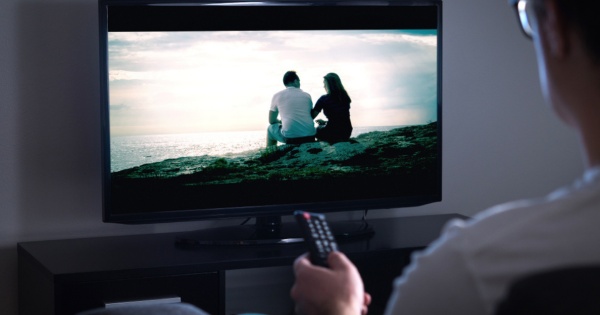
column 186, row 88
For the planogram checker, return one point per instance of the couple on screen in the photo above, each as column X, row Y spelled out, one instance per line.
column 294, row 108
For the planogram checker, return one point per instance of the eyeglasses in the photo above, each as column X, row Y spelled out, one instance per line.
column 525, row 14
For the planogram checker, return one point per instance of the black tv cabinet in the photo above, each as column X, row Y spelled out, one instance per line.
column 63, row 277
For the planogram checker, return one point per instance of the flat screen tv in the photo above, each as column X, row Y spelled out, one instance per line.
column 186, row 89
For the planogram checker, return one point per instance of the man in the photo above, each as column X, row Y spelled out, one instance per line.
column 294, row 107
column 470, row 268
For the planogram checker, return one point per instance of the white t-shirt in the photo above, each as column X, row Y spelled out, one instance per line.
column 469, row 269
column 294, row 106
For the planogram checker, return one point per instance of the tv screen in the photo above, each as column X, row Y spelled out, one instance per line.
column 187, row 88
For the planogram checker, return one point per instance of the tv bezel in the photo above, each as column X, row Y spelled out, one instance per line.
column 277, row 210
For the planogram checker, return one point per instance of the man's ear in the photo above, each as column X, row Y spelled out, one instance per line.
column 554, row 28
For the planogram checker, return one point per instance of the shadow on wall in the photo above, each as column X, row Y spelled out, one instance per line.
column 58, row 175
column 58, row 116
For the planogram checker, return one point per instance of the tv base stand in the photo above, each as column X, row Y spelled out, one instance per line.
column 279, row 234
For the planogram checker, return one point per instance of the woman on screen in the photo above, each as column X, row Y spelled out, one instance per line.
column 336, row 107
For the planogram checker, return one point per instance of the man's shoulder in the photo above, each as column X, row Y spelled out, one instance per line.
column 280, row 92
column 303, row 93
column 292, row 91
column 519, row 220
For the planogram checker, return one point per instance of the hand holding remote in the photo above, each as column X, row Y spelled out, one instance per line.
column 337, row 289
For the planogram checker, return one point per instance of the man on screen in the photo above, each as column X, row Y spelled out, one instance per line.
column 294, row 107
column 470, row 269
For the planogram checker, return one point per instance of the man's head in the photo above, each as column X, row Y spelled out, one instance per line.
column 566, row 61
column 567, row 45
column 581, row 15
column 290, row 78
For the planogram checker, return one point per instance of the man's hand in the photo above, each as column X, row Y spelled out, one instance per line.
column 335, row 290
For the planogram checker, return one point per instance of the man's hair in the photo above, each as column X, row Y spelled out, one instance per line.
column 583, row 14
column 291, row 76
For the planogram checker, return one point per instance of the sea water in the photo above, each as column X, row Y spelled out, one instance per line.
column 130, row 151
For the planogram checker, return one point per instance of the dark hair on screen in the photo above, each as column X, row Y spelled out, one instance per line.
column 336, row 88
column 290, row 77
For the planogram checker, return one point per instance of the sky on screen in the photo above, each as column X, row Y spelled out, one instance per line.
column 188, row 82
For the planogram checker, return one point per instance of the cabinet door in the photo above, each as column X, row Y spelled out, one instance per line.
column 205, row 290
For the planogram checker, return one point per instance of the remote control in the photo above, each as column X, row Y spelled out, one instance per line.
column 318, row 236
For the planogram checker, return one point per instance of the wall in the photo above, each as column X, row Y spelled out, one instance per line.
column 501, row 141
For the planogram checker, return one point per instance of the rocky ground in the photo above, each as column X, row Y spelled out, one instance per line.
column 405, row 149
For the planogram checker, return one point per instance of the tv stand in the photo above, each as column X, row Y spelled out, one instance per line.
column 63, row 277
column 268, row 231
